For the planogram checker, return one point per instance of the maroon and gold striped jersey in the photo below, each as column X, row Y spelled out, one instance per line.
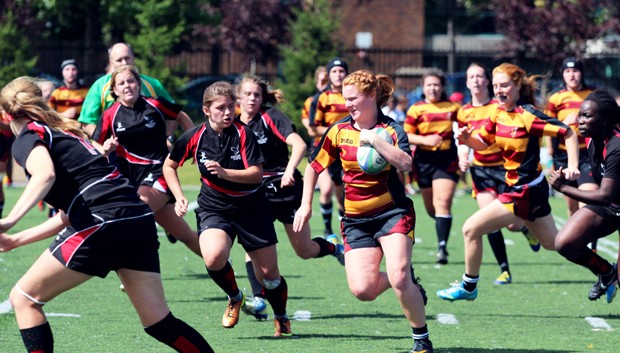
column 329, row 108
column 518, row 134
column 365, row 194
column 563, row 103
column 475, row 117
column 433, row 118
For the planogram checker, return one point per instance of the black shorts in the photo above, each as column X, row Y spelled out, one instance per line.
column 560, row 159
column 118, row 238
column 527, row 202
column 488, row 179
column 429, row 166
column 363, row 232
column 335, row 172
column 284, row 201
column 610, row 215
column 251, row 221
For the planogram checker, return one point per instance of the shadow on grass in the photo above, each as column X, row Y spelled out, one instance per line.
column 497, row 350
column 364, row 316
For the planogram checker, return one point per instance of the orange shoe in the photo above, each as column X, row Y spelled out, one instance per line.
column 231, row 315
column 283, row 327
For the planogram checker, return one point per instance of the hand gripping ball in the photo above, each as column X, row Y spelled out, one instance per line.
column 369, row 160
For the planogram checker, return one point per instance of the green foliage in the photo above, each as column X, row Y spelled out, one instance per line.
column 16, row 58
column 158, row 30
column 312, row 45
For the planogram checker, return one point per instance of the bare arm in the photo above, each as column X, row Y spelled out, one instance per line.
column 49, row 228
column 304, row 212
column 297, row 153
column 41, row 168
column 169, row 169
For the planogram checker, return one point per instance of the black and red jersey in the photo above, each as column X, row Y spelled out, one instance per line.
column 234, row 148
column 85, row 182
column 605, row 160
column 271, row 128
column 141, row 133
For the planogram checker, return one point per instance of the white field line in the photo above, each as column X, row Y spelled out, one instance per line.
column 447, row 319
column 598, row 324
column 302, row 315
column 5, row 307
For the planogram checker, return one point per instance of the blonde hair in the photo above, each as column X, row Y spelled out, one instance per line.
column 215, row 90
column 272, row 97
column 367, row 82
column 527, row 93
column 120, row 69
column 21, row 98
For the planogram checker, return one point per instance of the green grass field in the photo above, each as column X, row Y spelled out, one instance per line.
column 545, row 309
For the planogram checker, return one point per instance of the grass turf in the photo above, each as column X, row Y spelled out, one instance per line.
column 543, row 310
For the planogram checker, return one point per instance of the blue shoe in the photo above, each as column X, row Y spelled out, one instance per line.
column 457, row 292
column 256, row 307
column 339, row 254
column 606, row 284
column 532, row 240
column 611, row 292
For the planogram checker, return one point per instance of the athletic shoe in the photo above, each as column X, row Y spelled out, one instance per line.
column 231, row 314
column 283, row 327
column 170, row 237
column 333, row 238
column 422, row 346
column 257, row 307
column 457, row 292
column 504, row 278
column 605, row 285
column 532, row 240
column 442, row 256
column 416, row 281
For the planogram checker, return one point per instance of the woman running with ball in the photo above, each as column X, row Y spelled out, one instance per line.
column 379, row 218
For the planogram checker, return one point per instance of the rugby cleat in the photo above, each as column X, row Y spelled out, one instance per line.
column 256, row 307
column 422, row 346
column 231, row 314
column 504, row 278
column 442, row 256
column 283, row 327
column 532, row 240
column 457, row 292
column 339, row 254
column 606, row 284
column 416, row 281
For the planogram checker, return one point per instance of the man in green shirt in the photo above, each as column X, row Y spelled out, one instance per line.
column 99, row 98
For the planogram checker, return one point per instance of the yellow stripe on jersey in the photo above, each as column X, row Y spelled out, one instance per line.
column 432, row 118
column 330, row 108
column 364, row 194
column 475, row 117
column 518, row 134
column 563, row 103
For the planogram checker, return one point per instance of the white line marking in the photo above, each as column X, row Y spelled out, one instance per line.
column 5, row 307
column 447, row 319
column 62, row 315
column 302, row 315
column 598, row 324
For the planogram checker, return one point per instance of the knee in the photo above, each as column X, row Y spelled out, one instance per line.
column 365, row 294
column 548, row 244
column 469, row 231
column 19, row 301
column 399, row 280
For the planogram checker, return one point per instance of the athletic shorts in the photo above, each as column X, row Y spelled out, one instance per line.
column 251, row 222
column 117, row 238
column 529, row 201
column 284, row 201
column 5, row 147
column 335, row 172
column 429, row 166
column 488, row 179
column 610, row 215
column 560, row 159
column 363, row 232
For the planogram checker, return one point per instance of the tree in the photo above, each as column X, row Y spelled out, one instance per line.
column 553, row 29
column 312, row 44
column 16, row 58
column 255, row 28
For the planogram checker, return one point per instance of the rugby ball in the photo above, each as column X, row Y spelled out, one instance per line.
column 369, row 160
